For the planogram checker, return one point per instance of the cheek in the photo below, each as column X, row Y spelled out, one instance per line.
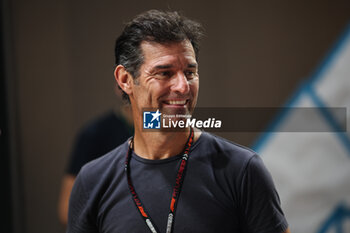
column 159, row 89
column 141, row 95
column 194, row 87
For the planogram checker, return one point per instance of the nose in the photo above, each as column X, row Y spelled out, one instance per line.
column 180, row 83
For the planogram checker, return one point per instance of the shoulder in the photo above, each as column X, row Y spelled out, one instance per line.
column 100, row 169
column 107, row 161
column 93, row 181
column 216, row 147
column 224, row 162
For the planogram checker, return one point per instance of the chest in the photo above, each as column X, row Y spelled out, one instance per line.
column 205, row 205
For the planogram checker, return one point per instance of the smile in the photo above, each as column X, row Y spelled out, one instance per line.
column 176, row 102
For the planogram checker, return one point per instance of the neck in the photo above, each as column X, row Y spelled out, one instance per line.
column 160, row 145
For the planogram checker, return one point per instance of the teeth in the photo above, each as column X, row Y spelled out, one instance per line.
column 182, row 102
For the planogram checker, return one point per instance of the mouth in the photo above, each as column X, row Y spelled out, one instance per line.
column 176, row 103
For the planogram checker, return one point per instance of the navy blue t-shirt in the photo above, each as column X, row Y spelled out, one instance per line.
column 226, row 189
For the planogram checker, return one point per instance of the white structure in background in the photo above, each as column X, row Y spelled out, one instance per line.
column 312, row 169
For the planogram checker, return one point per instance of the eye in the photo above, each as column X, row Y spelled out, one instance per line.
column 191, row 74
column 164, row 74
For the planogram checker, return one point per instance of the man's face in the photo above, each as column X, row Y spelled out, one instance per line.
column 168, row 79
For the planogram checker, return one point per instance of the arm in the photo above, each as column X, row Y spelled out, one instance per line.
column 81, row 212
column 260, row 203
column 66, row 189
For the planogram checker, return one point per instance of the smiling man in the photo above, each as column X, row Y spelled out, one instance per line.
column 183, row 180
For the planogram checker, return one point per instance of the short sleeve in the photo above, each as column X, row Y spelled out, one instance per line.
column 80, row 217
column 260, row 203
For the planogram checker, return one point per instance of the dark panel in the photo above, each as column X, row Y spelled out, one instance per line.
column 5, row 173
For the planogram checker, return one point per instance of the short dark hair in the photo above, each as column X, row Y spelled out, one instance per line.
column 154, row 26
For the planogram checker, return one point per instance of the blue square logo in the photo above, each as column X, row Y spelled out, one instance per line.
column 151, row 120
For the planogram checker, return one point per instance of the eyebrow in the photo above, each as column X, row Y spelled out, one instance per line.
column 192, row 65
column 159, row 67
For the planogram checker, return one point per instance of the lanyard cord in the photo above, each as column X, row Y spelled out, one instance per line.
column 176, row 190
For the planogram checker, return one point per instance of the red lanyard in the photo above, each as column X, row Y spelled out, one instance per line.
column 176, row 190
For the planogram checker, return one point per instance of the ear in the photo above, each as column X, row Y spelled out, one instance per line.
column 123, row 78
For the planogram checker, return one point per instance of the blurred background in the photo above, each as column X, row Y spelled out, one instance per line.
column 57, row 66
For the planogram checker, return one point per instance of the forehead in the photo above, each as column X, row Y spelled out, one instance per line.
column 174, row 52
